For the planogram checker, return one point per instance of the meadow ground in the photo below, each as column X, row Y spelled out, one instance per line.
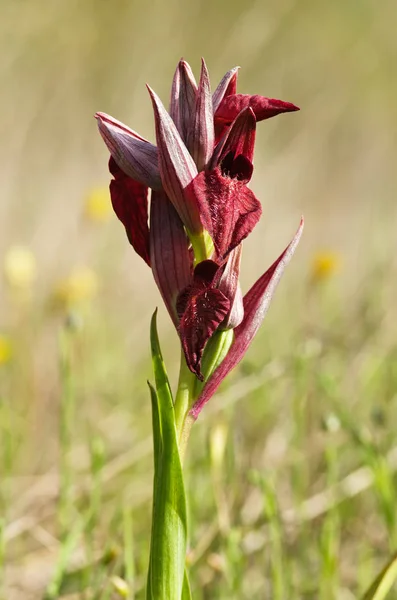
column 291, row 468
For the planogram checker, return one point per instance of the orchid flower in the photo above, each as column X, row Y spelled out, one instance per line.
column 201, row 210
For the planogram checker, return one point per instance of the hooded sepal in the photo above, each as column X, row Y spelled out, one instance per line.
column 183, row 98
column 226, row 87
column 169, row 252
column 133, row 154
column 256, row 304
column 235, row 151
column 130, row 203
column 229, row 209
column 202, row 308
column 200, row 139
column 177, row 168
column 230, row 286
column 264, row 108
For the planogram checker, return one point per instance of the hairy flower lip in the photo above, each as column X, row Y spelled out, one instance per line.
column 229, row 209
column 135, row 155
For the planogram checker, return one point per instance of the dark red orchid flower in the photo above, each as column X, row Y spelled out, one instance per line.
column 201, row 209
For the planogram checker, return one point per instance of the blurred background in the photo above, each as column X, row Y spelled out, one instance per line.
column 75, row 301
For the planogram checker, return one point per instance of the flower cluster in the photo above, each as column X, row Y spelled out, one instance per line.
column 201, row 210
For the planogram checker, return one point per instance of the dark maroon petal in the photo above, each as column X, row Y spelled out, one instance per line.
column 230, row 286
column 200, row 140
column 206, row 275
column 177, row 168
column 134, row 155
column 205, row 310
column 183, row 98
column 264, row 108
column 130, row 203
column 238, row 140
column 169, row 252
column 229, row 210
column 226, row 87
column 256, row 304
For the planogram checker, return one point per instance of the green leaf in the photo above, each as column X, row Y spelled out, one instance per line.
column 383, row 583
column 169, row 528
column 186, row 592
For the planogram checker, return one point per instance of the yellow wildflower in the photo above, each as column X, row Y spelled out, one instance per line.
column 98, row 206
column 5, row 349
column 324, row 265
column 20, row 267
column 79, row 287
column 120, row 586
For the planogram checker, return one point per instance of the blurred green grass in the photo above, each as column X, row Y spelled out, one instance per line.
column 300, row 502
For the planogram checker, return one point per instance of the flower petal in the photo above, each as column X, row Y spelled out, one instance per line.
column 226, row 87
column 130, row 203
column 256, row 304
column 206, row 309
column 229, row 210
column 183, row 98
column 177, row 168
column 230, row 286
column 134, row 155
column 169, row 252
column 264, row 108
column 200, row 140
column 238, row 140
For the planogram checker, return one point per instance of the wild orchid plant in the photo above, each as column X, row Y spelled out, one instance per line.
column 201, row 210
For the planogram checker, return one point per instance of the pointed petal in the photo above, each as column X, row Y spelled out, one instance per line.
column 130, row 203
column 226, row 87
column 229, row 210
column 169, row 252
column 177, row 167
column 238, row 140
column 175, row 93
column 134, row 155
column 256, row 304
column 230, row 286
column 200, row 141
column 183, row 99
column 206, row 309
column 264, row 108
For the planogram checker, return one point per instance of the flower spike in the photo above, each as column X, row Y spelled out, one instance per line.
column 256, row 304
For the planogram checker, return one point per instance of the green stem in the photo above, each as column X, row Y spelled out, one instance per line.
column 202, row 244
column 184, row 395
